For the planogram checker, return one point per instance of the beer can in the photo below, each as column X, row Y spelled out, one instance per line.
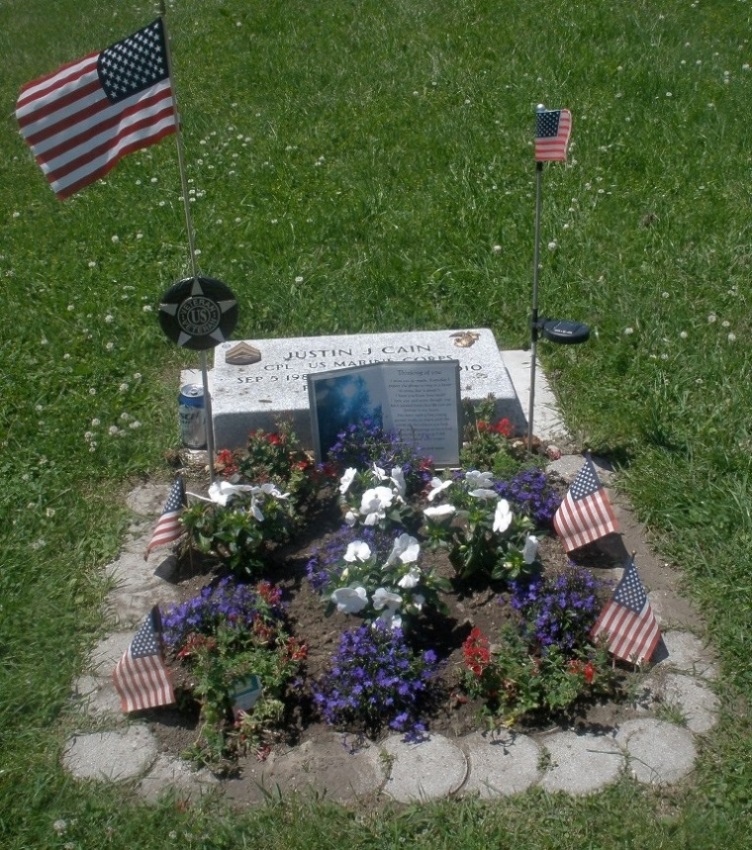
column 192, row 416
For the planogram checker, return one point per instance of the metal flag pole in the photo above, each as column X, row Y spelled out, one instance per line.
column 534, row 312
column 191, row 244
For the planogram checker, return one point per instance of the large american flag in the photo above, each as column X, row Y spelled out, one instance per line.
column 552, row 129
column 82, row 119
column 585, row 514
column 628, row 620
column 140, row 677
column 168, row 527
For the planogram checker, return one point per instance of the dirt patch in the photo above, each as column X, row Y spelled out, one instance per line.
column 483, row 607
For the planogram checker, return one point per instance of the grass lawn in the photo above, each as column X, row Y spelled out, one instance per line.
column 365, row 167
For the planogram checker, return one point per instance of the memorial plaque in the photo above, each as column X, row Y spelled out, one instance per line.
column 254, row 382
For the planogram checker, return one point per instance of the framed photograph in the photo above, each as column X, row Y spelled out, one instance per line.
column 419, row 400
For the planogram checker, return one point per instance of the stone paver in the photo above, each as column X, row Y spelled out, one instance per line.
column 581, row 763
column 500, row 765
column 170, row 775
column 659, row 753
column 425, row 771
column 688, row 654
column 111, row 756
column 692, row 698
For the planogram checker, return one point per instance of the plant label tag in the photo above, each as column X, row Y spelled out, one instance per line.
column 246, row 693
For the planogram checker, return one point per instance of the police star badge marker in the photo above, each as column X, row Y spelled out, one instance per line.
column 198, row 313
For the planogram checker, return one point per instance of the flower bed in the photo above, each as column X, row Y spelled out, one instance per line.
column 375, row 593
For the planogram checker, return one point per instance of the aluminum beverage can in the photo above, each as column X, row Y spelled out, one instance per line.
column 192, row 416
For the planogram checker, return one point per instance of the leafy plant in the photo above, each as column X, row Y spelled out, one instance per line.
column 514, row 682
column 376, row 680
column 482, row 533
column 224, row 635
column 366, row 445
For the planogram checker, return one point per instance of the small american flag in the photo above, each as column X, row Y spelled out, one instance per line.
column 552, row 129
column 140, row 677
column 628, row 620
column 168, row 526
column 585, row 514
column 82, row 119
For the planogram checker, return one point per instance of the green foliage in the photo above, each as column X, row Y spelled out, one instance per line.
column 350, row 178
column 514, row 683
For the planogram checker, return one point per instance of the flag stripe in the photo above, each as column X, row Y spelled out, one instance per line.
column 140, row 676
column 82, row 119
column 585, row 514
column 628, row 622
column 552, row 148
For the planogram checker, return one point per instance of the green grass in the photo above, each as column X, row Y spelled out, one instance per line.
column 378, row 151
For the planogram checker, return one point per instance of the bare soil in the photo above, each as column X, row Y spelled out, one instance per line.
column 449, row 715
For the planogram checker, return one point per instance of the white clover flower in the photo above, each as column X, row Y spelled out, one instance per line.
column 112, row 430
column 147, row 308
column 628, row 331
column 109, row 346
column 135, row 424
column 552, row 246
column 109, row 318
column 683, row 335
column 115, row 239
column 347, row 479
column 92, row 390
column 440, row 512
column 383, row 598
column 405, row 549
column 358, row 550
column 712, row 318
column 732, row 337
column 437, row 485
column 123, row 388
column 350, row 600
column 502, row 517
column 299, row 279
column 496, row 249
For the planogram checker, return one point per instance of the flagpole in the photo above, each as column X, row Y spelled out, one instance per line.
column 534, row 313
column 191, row 243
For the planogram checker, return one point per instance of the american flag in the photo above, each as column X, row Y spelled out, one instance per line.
column 628, row 620
column 82, row 119
column 168, row 526
column 585, row 514
column 552, row 129
column 140, row 677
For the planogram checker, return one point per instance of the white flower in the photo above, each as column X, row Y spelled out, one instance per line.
column 530, row 551
column 347, row 479
column 383, row 598
column 350, row 600
column 358, row 550
column 374, row 503
column 378, row 473
column 482, row 493
column 503, row 517
column 440, row 512
column 389, row 618
column 405, row 548
column 417, row 602
column 479, row 480
column 437, row 485
column 350, row 519
column 220, row 492
column 398, row 479
column 411, row 578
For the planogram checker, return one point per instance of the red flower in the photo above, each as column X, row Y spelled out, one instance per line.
column 476, row 652
column 589, row 672
column 504, row 427
column 274, row 439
